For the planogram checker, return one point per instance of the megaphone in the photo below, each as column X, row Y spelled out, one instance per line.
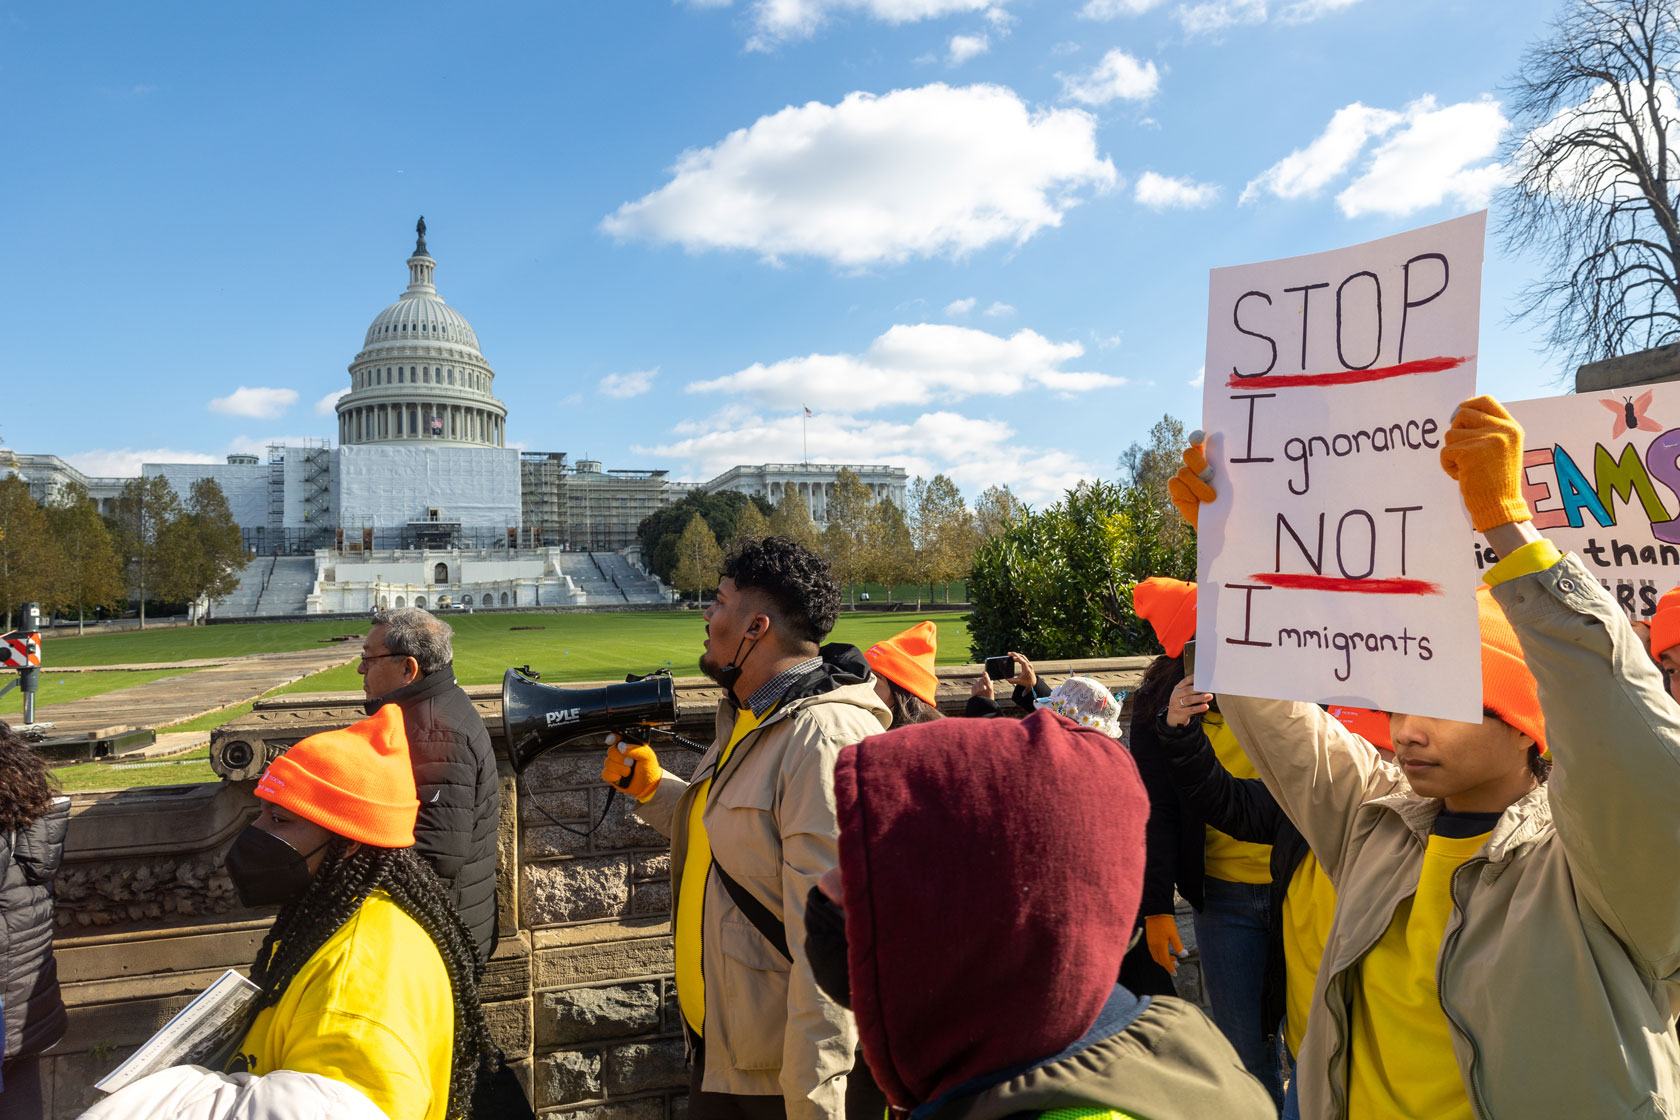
column 540, row 717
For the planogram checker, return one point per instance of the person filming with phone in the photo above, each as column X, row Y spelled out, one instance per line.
column 1017, row 670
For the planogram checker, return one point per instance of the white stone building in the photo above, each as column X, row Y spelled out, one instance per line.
column 814, row 481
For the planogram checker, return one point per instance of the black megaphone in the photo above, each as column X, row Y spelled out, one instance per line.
column 540, row 717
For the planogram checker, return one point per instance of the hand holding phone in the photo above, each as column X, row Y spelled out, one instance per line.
column 1190, row 658
column 1000, row 668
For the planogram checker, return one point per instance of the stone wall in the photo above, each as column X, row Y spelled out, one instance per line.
column 579, row 993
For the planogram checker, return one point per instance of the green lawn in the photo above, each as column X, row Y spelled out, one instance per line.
column 62, row 687
column 188, row 643
column 188, row 769
column 596, row 647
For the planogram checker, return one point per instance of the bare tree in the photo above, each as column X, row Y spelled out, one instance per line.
column 1594, row 178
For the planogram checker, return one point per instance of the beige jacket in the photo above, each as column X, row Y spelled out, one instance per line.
column 770, row 818
column 1560, row 969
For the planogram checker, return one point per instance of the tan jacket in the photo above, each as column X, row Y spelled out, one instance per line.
column 1560, row 969
column 770, row 818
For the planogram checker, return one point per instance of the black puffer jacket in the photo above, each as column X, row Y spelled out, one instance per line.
column 1245, row 809
column 34, row 1010
column 460, row 801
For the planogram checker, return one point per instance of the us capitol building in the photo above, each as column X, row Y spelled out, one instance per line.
column 419, row 498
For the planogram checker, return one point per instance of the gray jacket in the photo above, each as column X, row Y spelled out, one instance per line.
column 1560, row 969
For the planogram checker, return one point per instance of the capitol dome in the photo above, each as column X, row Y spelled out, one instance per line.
column 420, row 377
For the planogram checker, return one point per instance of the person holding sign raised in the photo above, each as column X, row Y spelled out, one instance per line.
column 1480, row 905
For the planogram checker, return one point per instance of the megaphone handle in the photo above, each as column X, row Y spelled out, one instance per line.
column 629, row 737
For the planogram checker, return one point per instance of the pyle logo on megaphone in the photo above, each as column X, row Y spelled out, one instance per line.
column 562, row 716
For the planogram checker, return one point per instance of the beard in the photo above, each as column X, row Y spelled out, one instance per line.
column 710, row 667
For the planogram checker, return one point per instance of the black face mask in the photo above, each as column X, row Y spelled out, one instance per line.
column 825, row 947
column 267, row 871
column 731, row 673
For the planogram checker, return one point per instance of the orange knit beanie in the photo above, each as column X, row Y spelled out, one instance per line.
column 1508, row 688
column 1665, row 624
column 357, row 782
column 1169, row 605
column 907, row 660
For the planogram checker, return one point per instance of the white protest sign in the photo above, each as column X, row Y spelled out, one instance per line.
column 1601, row 477
column 1331, row 567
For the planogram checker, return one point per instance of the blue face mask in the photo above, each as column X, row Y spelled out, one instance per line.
column 267, row 871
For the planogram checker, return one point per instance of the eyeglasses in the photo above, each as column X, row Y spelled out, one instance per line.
column 366, row 657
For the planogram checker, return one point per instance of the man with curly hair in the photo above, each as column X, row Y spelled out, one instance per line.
column 751, row 833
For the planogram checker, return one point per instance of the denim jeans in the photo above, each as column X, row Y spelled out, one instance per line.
column 1231, row 935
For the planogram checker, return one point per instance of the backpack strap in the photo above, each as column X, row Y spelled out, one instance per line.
column 757, row 913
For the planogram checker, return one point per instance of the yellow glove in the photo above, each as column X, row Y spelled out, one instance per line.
column 1483, row 451
column 1190, row 487
column 632, row 767
column 1161, row 931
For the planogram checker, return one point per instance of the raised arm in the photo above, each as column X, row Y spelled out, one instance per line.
column 1239, row 807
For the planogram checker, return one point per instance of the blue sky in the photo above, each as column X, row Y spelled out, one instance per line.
column 972, row 235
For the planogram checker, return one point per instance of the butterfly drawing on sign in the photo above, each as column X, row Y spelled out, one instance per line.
column 1630, row 414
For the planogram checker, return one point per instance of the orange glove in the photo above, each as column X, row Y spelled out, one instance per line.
column 632, row 767
column 1483, row 451
column 1190, row 487
column 1161, row 931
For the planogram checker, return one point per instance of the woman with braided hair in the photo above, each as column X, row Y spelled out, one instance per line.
column 368, row 976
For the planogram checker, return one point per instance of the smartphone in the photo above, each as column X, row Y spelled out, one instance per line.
column 1190, row 658
column 1000, row 668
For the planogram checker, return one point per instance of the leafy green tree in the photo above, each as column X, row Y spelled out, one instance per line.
column 204, row 546
column 751, row 524
column 1149, row 465
column 698, row 558
column 848, row 526
column 792, row 519
column 29, row 559
column 889, row 554
column 660, row 531
column 945, row 532
column 89, row 572
column 997, row 509
column 146, row 507
column 1058, row 582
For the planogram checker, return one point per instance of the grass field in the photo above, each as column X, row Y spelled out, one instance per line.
column 142, row 647
column 595, row 647
column 76, row 686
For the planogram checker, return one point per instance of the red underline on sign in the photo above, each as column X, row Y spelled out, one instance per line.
column 1343, row 376
column 1292, row 581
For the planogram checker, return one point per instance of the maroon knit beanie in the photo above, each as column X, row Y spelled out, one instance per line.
column 992, row 872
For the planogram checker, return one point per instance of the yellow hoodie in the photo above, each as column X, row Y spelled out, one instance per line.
column 373, row 1009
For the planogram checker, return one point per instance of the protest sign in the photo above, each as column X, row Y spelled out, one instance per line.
column 1601, row 477
column 1329, row 567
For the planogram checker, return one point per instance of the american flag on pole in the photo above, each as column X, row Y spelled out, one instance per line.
column 808, row 411
column 437, row 424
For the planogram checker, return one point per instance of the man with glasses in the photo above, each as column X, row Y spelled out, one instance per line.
column 407, row 660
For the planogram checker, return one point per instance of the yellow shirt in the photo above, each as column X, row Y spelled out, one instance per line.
column 1308, row 906
column 696, row 870
column 372, row 1009
column 1235, row 861
column 1402, row 1062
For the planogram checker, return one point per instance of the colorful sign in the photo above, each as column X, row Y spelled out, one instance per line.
column 1601, row 474
column 1331, row 380
column 19, row 650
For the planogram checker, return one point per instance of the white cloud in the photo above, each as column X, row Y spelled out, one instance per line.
column 933, row 171
column 258, row 404
column 959, row 307
column 259, row 445
column 965, row 47
column 625, row 385
column 328, row 405
column 913, row 365
column 1578, row 174
column 974, row 453
column 124, row 462
column 1161, row 192
column 1427, row 154
column 1107, row 341
column 1306, row 171
column 778, row 21
column 1196, row 381
column 998, row 309
column 1114, row 9
column 1118, row 75
column 570, row 400
column 1439, row 155
column 1213, row 16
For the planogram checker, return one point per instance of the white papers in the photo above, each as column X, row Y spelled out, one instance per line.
column 203, row 1028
